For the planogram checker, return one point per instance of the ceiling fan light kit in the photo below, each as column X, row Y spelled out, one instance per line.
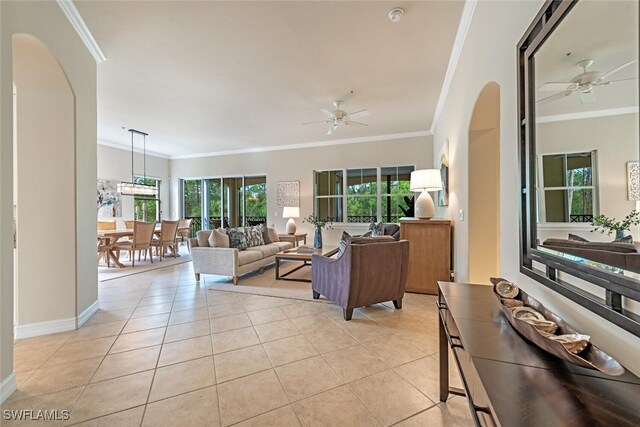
column 340, row 117
column 396, row 14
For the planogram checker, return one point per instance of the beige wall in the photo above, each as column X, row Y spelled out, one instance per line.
column 45, row 21
column 115, row 164
column 491, row 56
column 298, row 165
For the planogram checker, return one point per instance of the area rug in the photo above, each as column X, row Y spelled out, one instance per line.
column 106, row 273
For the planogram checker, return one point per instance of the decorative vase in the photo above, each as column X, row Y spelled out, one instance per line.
column 620, row 234
column 317, row 238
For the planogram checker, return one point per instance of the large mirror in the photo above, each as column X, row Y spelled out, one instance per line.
column 581, row 149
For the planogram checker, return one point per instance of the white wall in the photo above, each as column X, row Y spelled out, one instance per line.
column 489, row 55
column 46, row 22
column 115, row 164
column 298, row 165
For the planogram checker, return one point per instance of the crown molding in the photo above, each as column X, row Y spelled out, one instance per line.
column 456, row 51
column 587, row 115
column 123, row 147
column 307, row 145
column 76, row 21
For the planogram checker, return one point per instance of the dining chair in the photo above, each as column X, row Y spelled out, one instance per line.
column 167, row 238
column 107, row 225
column 103, row 252
column 142, row 241
column 128, row 224
column 184, row 230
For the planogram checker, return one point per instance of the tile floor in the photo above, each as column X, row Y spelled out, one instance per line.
column 164, row 350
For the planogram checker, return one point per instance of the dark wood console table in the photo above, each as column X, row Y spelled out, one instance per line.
column 509, row 382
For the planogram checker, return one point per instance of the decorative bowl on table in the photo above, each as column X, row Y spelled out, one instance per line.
column 549, row 332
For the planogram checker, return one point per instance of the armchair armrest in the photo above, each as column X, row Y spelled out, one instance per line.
column 330, row 277
column 193, row 242
column 221, row 261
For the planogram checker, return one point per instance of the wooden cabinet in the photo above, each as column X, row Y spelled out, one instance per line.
column 429, row 253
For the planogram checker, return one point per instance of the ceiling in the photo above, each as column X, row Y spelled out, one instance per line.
column 209, row 77
column 606, row 32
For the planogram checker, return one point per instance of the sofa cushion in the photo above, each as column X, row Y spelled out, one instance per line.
column 249, row 256
column 218, row 239
column 622, row 248
column 393, row 230
column 283, row 246
column 265, row 234
column 237, row 238
column 273, row 234
column 254, row 236
column 202, row 237
column 266, row 250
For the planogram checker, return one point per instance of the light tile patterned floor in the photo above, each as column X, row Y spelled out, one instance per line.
column 164, row 350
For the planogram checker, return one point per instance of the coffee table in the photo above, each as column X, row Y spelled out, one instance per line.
column 294, row 255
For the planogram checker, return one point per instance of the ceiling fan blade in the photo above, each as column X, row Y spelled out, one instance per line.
column 313, row 123
column 615, row 70
column 332, row 129
column 554, row 97
column 554, row 86
column 608, row 82
column 327, row 113
column 351, row 122
column 588, row 97
column 360, row 113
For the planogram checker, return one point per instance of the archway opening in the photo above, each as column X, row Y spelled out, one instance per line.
column 44, row 191
column 484, row 186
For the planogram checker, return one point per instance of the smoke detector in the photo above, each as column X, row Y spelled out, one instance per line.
column 395, row 14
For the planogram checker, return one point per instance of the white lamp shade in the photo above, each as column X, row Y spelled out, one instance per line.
column 291, row 212
column 425, row 180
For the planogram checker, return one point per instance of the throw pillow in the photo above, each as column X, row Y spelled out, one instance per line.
column 273, row 234
column 222, row 240
column 376, row 229
column 265, row 234
column 254, row 236
column 625, row 239
column 237, row 238
column 212, row 239
column 202, row 237
column 344, row 241
column 577, row 238
column 367, row 234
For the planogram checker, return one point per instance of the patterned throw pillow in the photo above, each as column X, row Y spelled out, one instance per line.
column 265, row 234
column 254, row 236
column 237, row 238
column 344, row 241
column 376, row 229
column 625, row 239
column 577, row 238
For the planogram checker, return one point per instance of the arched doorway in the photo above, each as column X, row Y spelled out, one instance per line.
column 484, row 186
column 44, row 191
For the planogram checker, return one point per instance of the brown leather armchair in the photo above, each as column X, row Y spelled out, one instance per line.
column 366, row 273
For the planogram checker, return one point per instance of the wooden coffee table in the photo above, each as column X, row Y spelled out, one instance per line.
column 294, row 255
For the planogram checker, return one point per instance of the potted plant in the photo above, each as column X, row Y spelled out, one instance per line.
column 318, row 224
column 607, row 225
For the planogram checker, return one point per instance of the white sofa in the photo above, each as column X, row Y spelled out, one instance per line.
column 231, row 262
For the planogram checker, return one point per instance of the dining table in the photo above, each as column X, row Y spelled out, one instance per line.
column 110, row 237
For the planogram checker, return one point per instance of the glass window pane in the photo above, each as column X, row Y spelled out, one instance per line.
column 192, row 193
column 362, row 181
column 553, row 170
column 556, row 205
column 395, row 180
column 329, row 208
column 232, row 202
column 255, row 193
column 328, row 183
column 581, row 203
column 579, row 170
column 362, row 209
column 392, row 207
column 215, row 202
column 146, row 207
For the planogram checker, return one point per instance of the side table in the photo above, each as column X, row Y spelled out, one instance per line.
column 293, row 238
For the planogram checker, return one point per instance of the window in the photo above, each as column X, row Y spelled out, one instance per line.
column 372, row 194
column 225, row 202
column 568, row 187
column 147, row 208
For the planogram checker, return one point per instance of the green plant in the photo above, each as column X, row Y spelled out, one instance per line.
column 607, row 225
column 318, row 222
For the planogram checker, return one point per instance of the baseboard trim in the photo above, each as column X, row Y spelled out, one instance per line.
column 90, row 311
column 44, row 328
column 7, row 387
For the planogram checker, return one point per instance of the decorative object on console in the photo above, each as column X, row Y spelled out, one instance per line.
column 607, row 225
column 423, row 181
column 443, row 195
column 288, row 193
column 133, row 188
column 291, row 212
column 569, row 345
column 410, row 210
column 318, row 225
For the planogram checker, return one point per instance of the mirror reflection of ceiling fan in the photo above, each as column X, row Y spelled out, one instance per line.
column 583, row 84
column 340, row 117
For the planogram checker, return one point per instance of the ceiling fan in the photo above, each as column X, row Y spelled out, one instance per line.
column 339, row 117
column 584, row 83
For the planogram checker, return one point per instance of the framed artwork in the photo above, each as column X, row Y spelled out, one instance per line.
column 109, row 200
column 443, row 164
column 288, row 193
column 633, row 180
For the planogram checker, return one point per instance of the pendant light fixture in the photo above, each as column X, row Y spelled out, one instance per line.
column 132, row 188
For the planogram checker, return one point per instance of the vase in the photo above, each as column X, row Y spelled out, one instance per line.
column 317, row 238
column 620, row 234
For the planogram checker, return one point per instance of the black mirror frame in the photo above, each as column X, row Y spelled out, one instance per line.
column 616, row 286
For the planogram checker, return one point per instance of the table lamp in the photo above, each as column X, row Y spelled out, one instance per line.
column 425, row 180
column 291, row 212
